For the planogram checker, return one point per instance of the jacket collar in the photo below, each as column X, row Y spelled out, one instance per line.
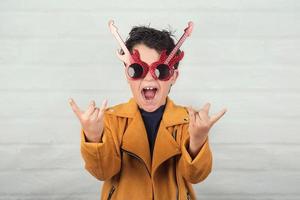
column 173, row 114
column 135, row 140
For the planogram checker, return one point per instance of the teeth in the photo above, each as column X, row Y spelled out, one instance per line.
column 148, row 88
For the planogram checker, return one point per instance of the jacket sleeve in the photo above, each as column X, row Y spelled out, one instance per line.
column 197, row 169
column 101, row 159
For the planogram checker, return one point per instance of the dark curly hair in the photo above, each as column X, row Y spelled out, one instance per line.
column 152, row 38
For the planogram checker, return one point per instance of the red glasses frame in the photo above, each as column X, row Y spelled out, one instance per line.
column 168, row 60
column 153, row 67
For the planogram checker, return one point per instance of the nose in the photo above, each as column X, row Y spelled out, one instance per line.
column 149, row 76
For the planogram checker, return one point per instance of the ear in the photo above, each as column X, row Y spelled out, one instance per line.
column 126, row 75
column 174, row 77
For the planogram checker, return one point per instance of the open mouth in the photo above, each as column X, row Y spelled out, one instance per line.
column 149, row 92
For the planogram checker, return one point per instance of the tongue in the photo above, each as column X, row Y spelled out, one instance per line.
column 149, row 94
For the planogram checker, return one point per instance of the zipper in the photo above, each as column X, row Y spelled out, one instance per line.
column 188, row 196
column 174, row 134
column 142, row 161
column 137, row 157
column 177, row 192
column 111, row 192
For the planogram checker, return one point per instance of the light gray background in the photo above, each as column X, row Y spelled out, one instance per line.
column 243, row 55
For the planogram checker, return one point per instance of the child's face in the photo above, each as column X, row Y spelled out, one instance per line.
column 150, row 99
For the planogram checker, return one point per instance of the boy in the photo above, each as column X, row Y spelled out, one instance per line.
column 148, row 148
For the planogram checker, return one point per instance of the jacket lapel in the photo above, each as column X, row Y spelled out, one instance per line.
column 165, row 147
column 165, row 144
column 135, row 140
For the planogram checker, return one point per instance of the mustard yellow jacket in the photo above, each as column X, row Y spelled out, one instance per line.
column 122, row 159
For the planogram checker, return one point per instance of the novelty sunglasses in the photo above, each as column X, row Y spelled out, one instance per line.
column 162, row 69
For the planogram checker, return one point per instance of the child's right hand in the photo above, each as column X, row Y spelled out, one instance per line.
column 91, row 120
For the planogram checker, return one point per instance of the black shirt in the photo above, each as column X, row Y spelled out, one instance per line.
column 152, row 121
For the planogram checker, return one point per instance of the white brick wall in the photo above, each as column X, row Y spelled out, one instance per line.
column 242, row 55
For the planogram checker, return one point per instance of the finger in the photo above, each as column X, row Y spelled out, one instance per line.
column 198, row 119
column 192, row 115
column 203, row 115
column 102, row 109
column 216, row 117
column 91, row 108
column 94, row 115
column 75, row 108
column 104, row 105
column 206, row 108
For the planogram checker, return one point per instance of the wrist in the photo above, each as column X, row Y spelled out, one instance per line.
column 95, row 139
column 197, row 141
column 195, row 146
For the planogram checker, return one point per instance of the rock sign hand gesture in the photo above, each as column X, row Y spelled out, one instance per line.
column 91, row 120
column 199, row 126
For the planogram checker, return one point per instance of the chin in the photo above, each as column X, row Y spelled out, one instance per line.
column 150, row 108
column 151, row 105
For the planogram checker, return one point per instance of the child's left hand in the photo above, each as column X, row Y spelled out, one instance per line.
column 199, row 126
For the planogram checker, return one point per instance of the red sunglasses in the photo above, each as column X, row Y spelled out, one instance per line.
column 159, row 70
column 163, row 69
